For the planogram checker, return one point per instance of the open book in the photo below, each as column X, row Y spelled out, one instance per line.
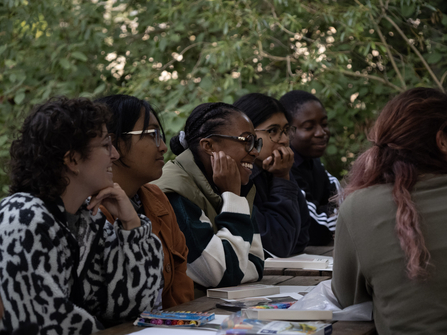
column 303, row 261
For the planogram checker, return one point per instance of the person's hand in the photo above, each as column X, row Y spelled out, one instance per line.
column 115, row 200
column 279, row 163
column 226, row 174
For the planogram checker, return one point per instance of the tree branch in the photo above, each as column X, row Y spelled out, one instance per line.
column 443, row 77
column 361, row 75
column 283, row 28
column 276, row 58
column 181, row 53
column 416, row 51
column 390, row 55
column 289, row 69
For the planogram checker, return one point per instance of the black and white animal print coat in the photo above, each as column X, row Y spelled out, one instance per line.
column 41, row 261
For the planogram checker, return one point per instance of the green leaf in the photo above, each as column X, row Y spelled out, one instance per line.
column 175, row 38
column 64, row 63
column 407, row 11
column 206, row 83
column 434, row 58
column 430, row 7
column 331, row 149
column 10, row 63
column 46, row 93
column 228, row 99
column 444, row 19
column 19, row 98
column 79, row 55
column 99, row 89
column 162, row 44
column 3, row 48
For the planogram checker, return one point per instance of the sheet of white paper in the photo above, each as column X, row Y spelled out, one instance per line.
column 173, row 331
column 218, row 319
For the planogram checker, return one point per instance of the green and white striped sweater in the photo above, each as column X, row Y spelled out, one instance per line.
column 225, row 247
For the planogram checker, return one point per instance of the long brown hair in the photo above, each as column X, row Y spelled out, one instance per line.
column 404, row 147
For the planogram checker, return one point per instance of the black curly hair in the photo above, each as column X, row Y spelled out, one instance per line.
column 52, row 129
column 205, row 119
column 294, row 100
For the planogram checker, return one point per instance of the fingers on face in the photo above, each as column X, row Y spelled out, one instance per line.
column 285, row 152
column 222, row 162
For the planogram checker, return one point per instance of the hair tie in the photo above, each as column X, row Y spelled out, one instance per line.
column 381, row 146
column 182, row 139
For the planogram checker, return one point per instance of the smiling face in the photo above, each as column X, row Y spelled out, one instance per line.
column 95, row 171
column 240, row 126
column 144, row 160
column 312, row 132
column 277, row 120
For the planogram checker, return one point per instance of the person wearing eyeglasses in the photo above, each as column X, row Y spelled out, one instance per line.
column 62, row 265
column 138, row 136
column 281, row 209
column 308, row 142
column 208, row 185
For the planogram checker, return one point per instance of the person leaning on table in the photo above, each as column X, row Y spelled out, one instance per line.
column 209, row 187
column 62, row 266
column 390, row 242
column 281, row 208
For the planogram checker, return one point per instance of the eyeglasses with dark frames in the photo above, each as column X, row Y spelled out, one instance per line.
column 275, row 133
column 250, row 141
column 155, row 133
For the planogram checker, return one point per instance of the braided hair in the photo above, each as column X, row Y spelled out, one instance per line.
column 205, row 119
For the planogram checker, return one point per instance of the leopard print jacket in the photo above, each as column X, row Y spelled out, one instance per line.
column 41, row 261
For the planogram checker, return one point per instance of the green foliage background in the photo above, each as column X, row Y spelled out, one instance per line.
column 354, row 55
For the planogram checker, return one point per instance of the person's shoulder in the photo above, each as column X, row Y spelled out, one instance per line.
column 23, row 210
column 22, row 202
column 155, row 199
column 154, row 190
column 368, row 199
column 21, row 198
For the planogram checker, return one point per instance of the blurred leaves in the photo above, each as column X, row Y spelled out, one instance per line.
column 178, row 54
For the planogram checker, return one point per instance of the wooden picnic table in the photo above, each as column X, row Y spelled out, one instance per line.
column 205, row 304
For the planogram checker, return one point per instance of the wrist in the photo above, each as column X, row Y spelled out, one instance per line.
column 282, row 175
column 135, row 222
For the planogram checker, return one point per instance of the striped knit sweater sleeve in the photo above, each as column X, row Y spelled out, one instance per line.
column 230, row 256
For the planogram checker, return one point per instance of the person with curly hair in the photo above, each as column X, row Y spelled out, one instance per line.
column 390, row 242
column 62, row 266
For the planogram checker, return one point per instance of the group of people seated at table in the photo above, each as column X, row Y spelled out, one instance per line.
column 97, row 228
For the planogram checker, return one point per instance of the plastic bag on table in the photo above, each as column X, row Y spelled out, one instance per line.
column 322, row 298
column 239, row 323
